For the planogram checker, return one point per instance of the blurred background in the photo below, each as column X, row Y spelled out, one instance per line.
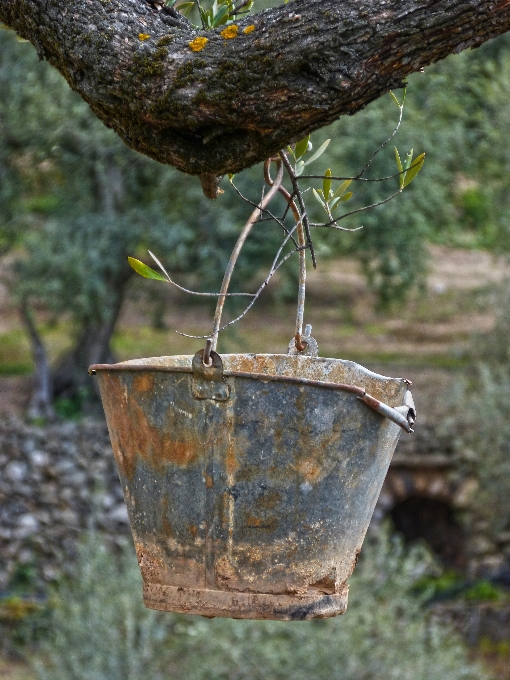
column 422, row 292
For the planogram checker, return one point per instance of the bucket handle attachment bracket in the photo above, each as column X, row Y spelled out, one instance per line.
column 207, row 381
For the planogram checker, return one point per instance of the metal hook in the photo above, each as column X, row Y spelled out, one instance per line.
column 207, row 361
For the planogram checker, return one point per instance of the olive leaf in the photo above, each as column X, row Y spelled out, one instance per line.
column 144, row 270
column 341, row 189
column 322, row 148
column 401, row 177
column 414, row 169
column 301, row 147
column 319, row 199
column 326, row 184
column 395, row 99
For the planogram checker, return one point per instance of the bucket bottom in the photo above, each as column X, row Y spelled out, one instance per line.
column 238, row 605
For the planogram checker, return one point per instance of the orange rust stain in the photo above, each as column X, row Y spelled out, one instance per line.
column 143, row 382
column 167, row 527
column 231, row 462
column 268, row 523
column 209, row 482
column 133, row 435
column 180, row 453
column 309, row 469
column 193, row 530
column 226, row 574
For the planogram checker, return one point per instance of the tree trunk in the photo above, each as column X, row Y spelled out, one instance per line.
column 70, row 376
column 211, row 102
column 41, row 402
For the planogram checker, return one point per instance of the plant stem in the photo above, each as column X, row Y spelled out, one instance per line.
column 237, row 249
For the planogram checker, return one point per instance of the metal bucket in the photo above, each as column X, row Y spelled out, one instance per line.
column 250, row 484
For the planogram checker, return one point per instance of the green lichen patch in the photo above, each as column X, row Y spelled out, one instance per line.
column 165, row 40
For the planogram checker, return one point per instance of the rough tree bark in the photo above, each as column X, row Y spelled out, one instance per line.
column 222, row 104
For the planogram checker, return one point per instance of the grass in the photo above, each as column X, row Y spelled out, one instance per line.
column 15, row 355
column 264, row 332
column 428, row 330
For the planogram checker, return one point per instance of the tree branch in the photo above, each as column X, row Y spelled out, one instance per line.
column 221, row 105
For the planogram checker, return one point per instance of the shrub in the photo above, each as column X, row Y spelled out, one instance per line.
column 101, row 631
column 386, row 633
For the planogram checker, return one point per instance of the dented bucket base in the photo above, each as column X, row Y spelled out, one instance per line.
column 237, row 605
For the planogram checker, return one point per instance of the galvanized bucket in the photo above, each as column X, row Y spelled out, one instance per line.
column 250, row 483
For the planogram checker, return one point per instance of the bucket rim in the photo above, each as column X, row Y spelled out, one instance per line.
column 135, row 367
column 264, row 377
column 361, row 392
column 142, row 364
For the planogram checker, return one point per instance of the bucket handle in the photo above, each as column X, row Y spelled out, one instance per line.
column 405, row 415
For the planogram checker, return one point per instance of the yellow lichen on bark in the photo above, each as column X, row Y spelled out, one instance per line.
column 249, row 29
column 198, row 44
column 230, row 32
column 143, row 36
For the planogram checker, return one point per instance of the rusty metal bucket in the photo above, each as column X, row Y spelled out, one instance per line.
column 250, row 483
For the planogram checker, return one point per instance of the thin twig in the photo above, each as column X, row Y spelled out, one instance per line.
column 194, row 292
column 271, row 217
column 401, row 107
column 353, row 212
column 273, row 270
column 297, row 192
column 235, row 254
column 302, row 263
column 362, row 179
column 197, row 3
column 333, row 225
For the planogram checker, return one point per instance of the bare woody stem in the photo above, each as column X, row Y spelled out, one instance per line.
column 302, row 255
column 237, row 249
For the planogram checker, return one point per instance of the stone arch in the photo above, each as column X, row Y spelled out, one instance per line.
column 421, row 500
column 433, row 521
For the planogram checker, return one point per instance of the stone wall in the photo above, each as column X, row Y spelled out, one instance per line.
column 58, row 480
column 54, row 483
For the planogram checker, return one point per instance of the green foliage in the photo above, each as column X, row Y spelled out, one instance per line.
column 458, row 113
column 452, row 585
column 482, row 426
column 100, row 630
column 99, row 627
column 76, row 202
column 483, row 591
column 447, row 585
column 61, row 169
column 218, row 13
column 479, row 417
column 408, row 170
column 71, row 408
column 303, row 147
